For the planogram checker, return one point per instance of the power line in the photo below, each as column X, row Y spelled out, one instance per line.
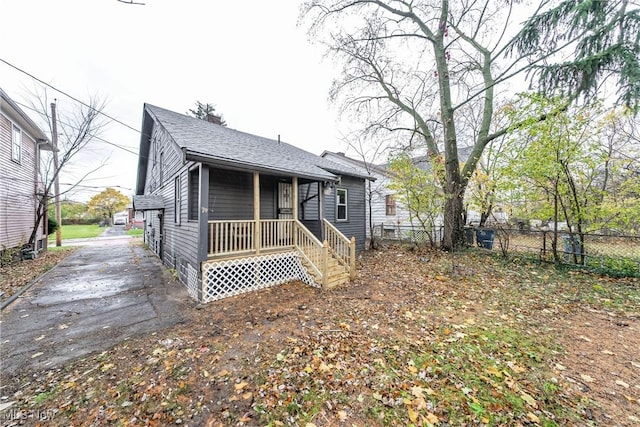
column 73, row 127
column 70, row 96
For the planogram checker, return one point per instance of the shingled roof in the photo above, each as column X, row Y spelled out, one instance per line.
column 201, row 140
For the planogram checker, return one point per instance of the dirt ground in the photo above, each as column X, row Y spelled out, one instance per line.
column 602, row 363
column 231, row 357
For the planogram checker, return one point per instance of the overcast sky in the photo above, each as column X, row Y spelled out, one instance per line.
column 248, row 58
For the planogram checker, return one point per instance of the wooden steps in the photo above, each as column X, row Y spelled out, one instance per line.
column 336, row 272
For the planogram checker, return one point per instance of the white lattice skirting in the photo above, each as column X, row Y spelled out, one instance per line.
column 193, row 283
column 222, row 279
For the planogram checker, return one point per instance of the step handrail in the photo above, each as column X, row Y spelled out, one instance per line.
column 343, row 249
column 311, row 249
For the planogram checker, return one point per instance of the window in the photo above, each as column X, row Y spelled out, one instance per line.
column 390, row 201
column 16, row 144
column 177, row 201
column 194, row 193
column 341, row 204
column 160, row 169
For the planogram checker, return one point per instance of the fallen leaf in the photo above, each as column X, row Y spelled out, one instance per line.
column 492, row 370
column 533, row 417
column 432, row 419
column 240, row 386
column 610, row 353
column 413, row 415
column 342, row 415
column 583, row 338
column 622, row 384
column 417, row 391
column 38, row 354
column 248, row 395
column 530, row 400
column 587, row 378
column 560, row 367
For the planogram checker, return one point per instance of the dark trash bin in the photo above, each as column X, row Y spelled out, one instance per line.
column 571, row 245
column 484, row 237
column 468, row 235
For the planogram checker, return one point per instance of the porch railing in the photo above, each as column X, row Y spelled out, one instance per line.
column 239, row 237
column 312, row 250
column 343, row 249
column 231, row 237
column 276, row 233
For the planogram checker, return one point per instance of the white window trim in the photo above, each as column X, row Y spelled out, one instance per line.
column 346, row 205
column 16, row 146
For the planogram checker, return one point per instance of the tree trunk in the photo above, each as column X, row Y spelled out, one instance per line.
column 453, row 213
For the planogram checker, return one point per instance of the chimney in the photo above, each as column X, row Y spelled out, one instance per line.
column 212, row 118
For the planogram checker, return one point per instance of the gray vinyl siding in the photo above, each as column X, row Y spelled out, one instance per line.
column 355, row 225
column 230, row 195
column 17, row 188
column 309, row 209
column 268, row 197
column 180, row 241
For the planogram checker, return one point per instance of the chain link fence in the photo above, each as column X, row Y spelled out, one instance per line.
column 616, row 255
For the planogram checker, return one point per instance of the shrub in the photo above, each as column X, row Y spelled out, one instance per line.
column 52, row 225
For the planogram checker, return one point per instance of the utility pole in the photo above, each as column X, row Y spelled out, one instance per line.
column 56, row 182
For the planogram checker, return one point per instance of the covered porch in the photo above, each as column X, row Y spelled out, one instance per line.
column 255, row 235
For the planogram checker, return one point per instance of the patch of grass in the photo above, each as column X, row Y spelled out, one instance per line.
column 41, row 397
column 135, row 232
column 61, row 248
column 78, row 232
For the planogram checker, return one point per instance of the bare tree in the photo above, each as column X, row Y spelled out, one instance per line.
column 76, row 130
column 416, row 67
column 368, row 155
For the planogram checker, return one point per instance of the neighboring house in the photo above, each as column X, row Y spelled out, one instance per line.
column 389, row 216
column 383, row 206
column 135, row 218
column 232, row 212
column 21, row 142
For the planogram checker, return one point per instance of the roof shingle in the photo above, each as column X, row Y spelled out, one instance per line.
column 208, row 140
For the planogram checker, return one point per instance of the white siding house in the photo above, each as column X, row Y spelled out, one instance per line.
column 383, row 208
column 21, row 141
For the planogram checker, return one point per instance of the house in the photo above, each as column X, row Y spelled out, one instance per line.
column 384, row 211
column 21, row 143
column 232, row 212
column 386, row 214
column 135, row 219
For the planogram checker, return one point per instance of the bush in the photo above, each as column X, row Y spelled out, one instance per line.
column 52, row 225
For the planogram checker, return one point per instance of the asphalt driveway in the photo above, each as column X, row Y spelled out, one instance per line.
column 94, row 299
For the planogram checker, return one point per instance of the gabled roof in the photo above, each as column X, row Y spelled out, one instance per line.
column 342, row 158
column 211, row 143
column 23, row 120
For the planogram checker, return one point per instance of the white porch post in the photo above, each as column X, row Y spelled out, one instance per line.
column 256, row 212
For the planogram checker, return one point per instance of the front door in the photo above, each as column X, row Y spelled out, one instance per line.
column 285, row 209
